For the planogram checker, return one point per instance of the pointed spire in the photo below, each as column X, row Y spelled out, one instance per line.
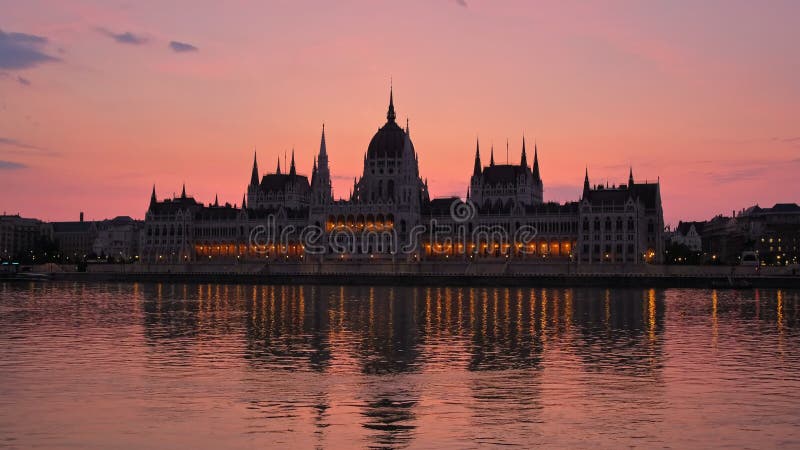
column 323, row 150
column 491, row 157
column 254, row 175
column 292, row 170
column 408, row 129
column 467, row 192
column 586, row 186
column 536, row 162
column 153, row 199
column 524, row 159
column 183, row 191
column 476, row 171
column 216, row 200
column 630, row 177
column 244, row 201
column 278, row 171
column 390, row 115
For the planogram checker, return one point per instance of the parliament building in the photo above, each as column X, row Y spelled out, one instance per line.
column 389, row 214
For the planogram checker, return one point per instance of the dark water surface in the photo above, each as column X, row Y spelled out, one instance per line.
column 213, row 366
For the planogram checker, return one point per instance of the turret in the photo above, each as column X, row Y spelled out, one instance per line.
column 630, row 178
column 476, row 170
column 183, row 191
column 321, row 175
column 278, row 170
column 586, row 186
column 524, row 159
column 254, row 175
column 244, row 201
column 153, row 199
column 491, row 156
column 536, row 174
column 292, row 170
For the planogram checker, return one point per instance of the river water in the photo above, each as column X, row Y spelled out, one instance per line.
column 212, row 366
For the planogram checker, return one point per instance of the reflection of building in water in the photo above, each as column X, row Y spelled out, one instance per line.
column 620, row 330
column 388, row 412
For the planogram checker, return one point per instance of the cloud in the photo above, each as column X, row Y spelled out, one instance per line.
column 182, row 47
column 11, row 165
column 24, row 81
column 18, row 146
column 123, row 38
column 462, row 3
column 747, row 170
column 22, row 51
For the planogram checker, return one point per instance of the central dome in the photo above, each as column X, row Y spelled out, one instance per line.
column 388, row 142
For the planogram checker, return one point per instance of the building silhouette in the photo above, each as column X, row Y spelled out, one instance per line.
column 389, row 215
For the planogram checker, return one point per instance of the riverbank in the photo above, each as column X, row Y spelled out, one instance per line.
column 432, row 273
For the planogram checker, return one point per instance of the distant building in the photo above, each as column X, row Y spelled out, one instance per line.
column 117, row 237
column 772, row 232
column 19, row 235
column 689, row 234
column 75, row 239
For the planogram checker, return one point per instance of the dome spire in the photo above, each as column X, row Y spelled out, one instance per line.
column 390, row 115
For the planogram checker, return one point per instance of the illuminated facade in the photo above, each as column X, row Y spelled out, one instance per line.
column 389, row 215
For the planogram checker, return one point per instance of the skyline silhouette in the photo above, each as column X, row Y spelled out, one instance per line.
column 99, row 103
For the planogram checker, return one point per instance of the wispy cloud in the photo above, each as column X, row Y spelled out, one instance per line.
column 22, row 51
column 23, row 81
column 123, row 38
column 462, row 3
column 738, row 171
column 11, row 165
column 17, row 146
column 182, row 47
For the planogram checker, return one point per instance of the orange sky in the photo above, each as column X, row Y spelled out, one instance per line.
column 703, row 96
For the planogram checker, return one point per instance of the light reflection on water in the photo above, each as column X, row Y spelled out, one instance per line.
column 131, row 365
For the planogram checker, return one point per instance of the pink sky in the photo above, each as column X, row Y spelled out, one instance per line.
column 704, row 96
